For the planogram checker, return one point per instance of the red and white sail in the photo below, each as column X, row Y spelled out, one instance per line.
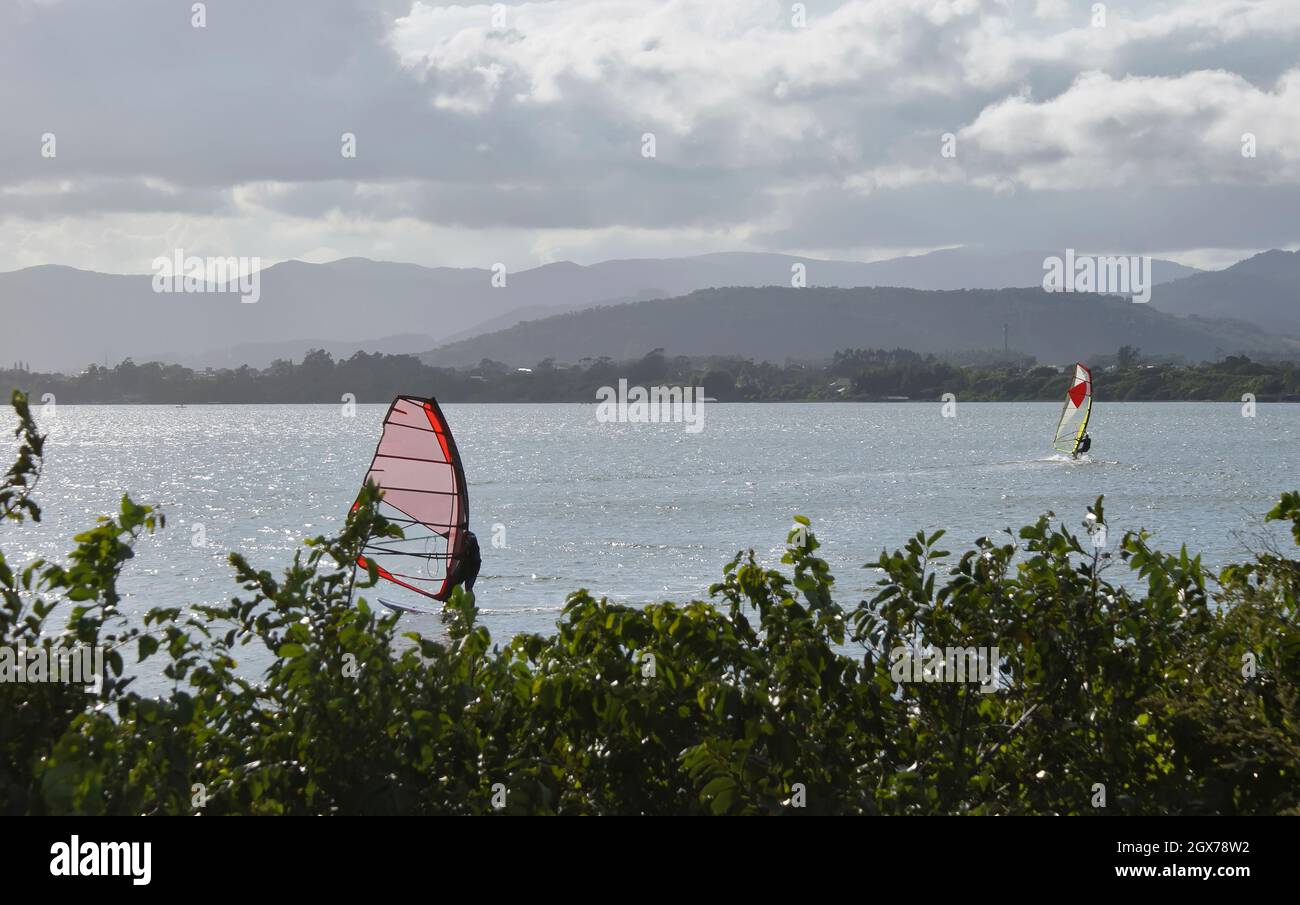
column 1075, row 413
column 417, row 467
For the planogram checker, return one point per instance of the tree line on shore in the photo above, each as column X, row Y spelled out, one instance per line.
column 850, row 375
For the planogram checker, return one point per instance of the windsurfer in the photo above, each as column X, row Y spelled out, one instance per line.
column 1085, row 444
column 469, row 563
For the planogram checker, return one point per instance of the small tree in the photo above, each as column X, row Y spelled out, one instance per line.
column 1127, row 356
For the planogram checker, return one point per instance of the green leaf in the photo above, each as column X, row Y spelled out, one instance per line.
column 148, row 644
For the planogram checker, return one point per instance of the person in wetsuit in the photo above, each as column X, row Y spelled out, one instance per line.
column 1085, row 444
column 470, row 562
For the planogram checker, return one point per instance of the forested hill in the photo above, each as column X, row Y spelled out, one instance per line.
column 1264, row 290
column 774, row 324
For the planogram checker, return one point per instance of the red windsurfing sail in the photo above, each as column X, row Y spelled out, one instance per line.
column 417, row 467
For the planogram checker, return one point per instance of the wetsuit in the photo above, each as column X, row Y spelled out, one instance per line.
column 470, row 562
column 1084, row 445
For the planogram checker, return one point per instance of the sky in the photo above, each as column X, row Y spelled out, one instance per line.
column 587, row 130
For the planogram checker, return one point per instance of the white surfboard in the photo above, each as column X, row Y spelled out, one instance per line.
column 407, row 608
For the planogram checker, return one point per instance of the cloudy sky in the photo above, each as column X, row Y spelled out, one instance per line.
column 515, row 132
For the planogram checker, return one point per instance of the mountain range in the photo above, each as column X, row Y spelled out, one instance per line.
column 60, row 318
column 1264, row 290
column 776, row 324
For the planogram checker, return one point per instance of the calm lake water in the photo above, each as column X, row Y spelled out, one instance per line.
column 651, row 512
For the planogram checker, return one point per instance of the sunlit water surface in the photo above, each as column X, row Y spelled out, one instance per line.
column 651, row 512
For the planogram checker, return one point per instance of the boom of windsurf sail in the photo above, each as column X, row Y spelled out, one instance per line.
column 1075, row 413
column 417, row 467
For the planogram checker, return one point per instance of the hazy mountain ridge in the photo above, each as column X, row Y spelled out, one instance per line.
column 61, row 318
column 1264, row 290
column 774, row 324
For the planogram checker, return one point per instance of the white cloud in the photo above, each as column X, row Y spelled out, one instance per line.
column 526, row 135
column 1104, row 131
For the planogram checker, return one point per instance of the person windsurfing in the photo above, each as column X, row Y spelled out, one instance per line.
column 469, row 563
column 1071, row 435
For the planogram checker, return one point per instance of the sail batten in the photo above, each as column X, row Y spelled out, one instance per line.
column 1075, row 413
column 418, row 468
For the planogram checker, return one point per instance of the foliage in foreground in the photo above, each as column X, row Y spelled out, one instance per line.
column 1182, row 699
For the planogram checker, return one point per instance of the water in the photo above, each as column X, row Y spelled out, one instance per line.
column 652, row 512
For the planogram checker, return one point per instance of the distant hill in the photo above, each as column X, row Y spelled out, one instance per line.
column 776, row 323
column 62, row 318
column 1264, row 290
column 982, row 268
